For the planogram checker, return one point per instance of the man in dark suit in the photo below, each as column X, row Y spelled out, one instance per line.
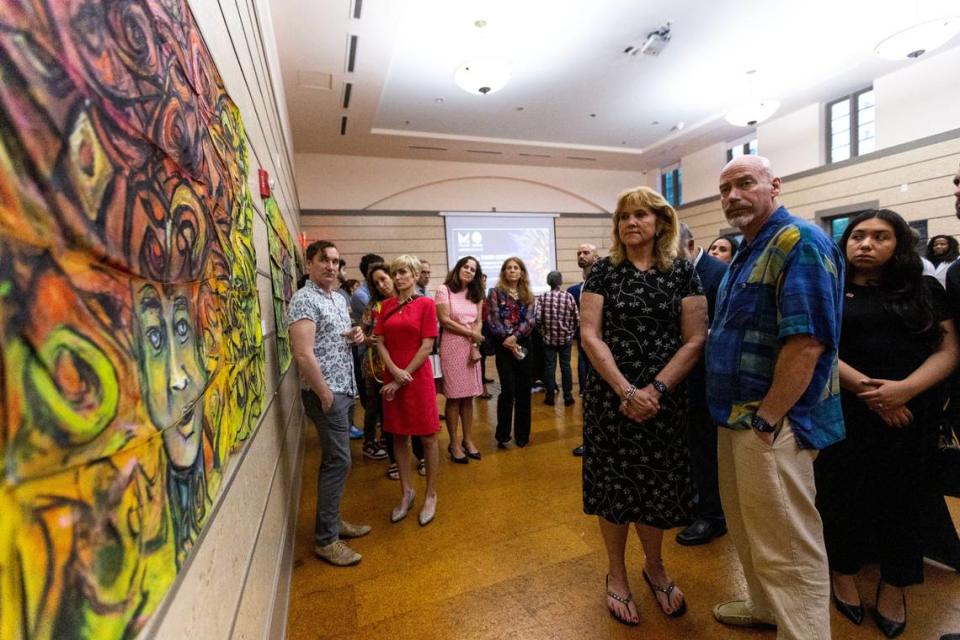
column 701, row 430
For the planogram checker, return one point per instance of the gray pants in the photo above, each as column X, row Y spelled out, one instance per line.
column 333, row 427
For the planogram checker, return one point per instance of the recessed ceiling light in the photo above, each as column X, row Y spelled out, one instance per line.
column 518, row 108
column 655, row 123
column 406, row 122
column 480, row 24
column 678, row 127
column 438, row 100
column 593, row 115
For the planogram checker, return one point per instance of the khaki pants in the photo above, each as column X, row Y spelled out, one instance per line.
column 768, row 496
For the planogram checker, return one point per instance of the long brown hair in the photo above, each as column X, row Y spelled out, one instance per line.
column 523, row 286
column 665, row 242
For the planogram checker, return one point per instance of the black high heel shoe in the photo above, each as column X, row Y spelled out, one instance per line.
column 890, row 628
column 853, row 613
column 474, row 456
column 463, row 460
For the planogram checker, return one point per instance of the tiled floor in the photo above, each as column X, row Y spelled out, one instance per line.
column 511, row 556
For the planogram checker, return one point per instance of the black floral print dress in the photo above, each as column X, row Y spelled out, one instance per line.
column 632, row 471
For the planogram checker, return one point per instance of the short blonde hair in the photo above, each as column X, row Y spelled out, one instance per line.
column 665, row 240
column 412, row 264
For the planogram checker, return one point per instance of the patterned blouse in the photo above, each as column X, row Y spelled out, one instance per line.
column 328, row 311
column 507, row 316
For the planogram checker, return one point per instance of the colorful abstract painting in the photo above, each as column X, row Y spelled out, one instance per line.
column 132, row 356
column 283, row 274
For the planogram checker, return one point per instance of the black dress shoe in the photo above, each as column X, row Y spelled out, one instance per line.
column 502, row 445
column 473, row 456
column 549, row 401
column 890, row 628
column 701, row 531
column 569, row 401
column 853, row 613
column 463, row 460
column 578, row 451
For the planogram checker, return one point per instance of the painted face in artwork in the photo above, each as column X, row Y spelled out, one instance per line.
column 173, row 374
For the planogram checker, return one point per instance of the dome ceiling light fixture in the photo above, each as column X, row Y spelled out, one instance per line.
column 914, row 41
column 750, row 114
column 482, row 75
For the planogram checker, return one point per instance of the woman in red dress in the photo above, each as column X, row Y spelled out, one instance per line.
column 408, row 325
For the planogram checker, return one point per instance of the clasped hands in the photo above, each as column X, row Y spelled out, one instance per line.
column 641, row 404
column 888, row 399
column 400, row 378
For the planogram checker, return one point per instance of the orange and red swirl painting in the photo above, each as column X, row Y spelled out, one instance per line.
column 132, row 359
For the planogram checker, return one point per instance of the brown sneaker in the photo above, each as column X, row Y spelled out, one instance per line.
column 348, row 530
column 337, row 553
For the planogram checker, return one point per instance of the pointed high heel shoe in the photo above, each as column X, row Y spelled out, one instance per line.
column 473, row 456
column 890, row 628
column 463, row 460
column 852, row 612
column 400, row 512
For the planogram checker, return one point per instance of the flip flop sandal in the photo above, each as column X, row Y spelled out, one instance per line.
column 625, row 601
column 667, row 591
column 393, row 472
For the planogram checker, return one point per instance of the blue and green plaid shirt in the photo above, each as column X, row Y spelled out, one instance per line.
column 787, row 281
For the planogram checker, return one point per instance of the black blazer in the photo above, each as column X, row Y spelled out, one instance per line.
column 710, row 271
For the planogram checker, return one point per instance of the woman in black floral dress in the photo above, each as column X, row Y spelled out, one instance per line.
column 643, row 328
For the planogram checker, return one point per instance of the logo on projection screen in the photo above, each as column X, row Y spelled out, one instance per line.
column 470, row 240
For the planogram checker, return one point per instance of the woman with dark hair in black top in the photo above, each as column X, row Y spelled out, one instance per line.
column 942, row 252
column 897, row 345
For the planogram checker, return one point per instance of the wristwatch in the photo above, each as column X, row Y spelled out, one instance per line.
column 659, row 386
column 761, row 425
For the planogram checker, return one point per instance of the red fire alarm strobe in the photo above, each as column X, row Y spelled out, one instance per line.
column 264, row 183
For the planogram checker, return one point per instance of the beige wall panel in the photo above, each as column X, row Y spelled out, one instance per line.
column 385, row 232
column 353, row 182
column 372, row 220
column 252, row 622
column 360, row 246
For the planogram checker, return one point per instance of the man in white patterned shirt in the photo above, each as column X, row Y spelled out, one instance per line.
column 557, row 321
column 321, row 336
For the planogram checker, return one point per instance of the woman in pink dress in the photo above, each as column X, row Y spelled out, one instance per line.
column 408, row 326
column 459, row 302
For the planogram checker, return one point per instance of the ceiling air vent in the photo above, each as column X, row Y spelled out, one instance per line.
column 352, row 54
column 535, row 155
column 583, row 158
column 425, row 148
column 489, row 153
column 357, row 9
column 347, row 89
column 343, row 125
